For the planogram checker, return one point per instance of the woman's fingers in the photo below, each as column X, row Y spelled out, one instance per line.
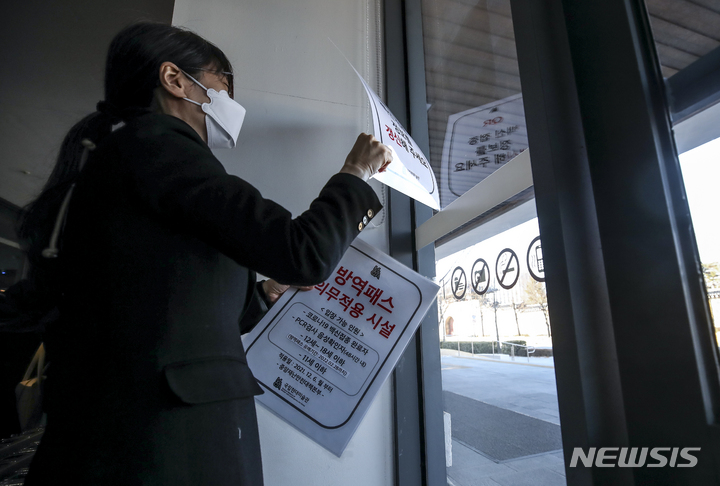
column 367, row 157
column 273, row 290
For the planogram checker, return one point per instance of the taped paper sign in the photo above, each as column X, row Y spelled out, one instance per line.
column 409, row 172
column 479, row 141
column 322, row 355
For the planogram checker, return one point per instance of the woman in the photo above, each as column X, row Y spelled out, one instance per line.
column 155, row 278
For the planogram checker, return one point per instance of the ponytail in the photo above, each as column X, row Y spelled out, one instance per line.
column 38, row 218
column 131, row 78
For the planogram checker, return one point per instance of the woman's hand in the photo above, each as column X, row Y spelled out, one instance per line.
column 273, row 290
column 367, row 157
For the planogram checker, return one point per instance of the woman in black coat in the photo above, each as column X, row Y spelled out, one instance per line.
column 155, row 278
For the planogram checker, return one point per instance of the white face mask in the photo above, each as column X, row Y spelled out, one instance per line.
column 224, row 117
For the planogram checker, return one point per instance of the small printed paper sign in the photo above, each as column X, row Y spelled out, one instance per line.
column 478, row 142
column 409, row 172
column 322, row 355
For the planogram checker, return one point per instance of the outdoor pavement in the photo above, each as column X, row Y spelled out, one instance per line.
column 503, row 411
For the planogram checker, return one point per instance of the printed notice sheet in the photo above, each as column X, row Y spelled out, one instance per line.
column 478, row 142
column 322, row 355
column 409, row 172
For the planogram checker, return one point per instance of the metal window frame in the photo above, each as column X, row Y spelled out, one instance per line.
column 621, row 256
column 418, row 407
column 694, row 102
column 695, row 88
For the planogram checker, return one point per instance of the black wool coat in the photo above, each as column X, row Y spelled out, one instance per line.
column 148, row 382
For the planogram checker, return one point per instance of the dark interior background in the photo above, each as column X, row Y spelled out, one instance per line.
column 52, row 54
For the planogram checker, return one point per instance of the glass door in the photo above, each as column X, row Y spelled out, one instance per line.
column 498, row 374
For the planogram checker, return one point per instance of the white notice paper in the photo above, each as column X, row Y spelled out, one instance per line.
column 322, row 355
column 409, row 172
column 478, row 142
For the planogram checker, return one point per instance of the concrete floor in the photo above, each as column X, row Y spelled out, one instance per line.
column 519, row 386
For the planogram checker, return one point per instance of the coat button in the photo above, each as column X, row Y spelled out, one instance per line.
column 365, row 220
column 360, row 227
column 370, row 213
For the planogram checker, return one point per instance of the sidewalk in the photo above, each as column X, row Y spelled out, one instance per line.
column 472, row 469
column 539, row 361
column 513, row 408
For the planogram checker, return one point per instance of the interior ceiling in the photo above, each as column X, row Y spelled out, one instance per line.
column 470, row 55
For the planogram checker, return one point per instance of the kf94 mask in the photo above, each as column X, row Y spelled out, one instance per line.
column 224, row 117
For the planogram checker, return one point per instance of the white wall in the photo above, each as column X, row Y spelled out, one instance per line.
column 305, row 107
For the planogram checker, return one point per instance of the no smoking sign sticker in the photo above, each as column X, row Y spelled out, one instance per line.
column 507, row 268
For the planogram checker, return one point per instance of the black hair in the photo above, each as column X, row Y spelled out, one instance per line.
column 132, row 73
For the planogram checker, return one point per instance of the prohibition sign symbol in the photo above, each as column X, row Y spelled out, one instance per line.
column 535, row 261
column 458, row 283
column 480, row 276
column 507, row 268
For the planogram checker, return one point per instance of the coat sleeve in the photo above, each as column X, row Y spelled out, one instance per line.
column 182, row 183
